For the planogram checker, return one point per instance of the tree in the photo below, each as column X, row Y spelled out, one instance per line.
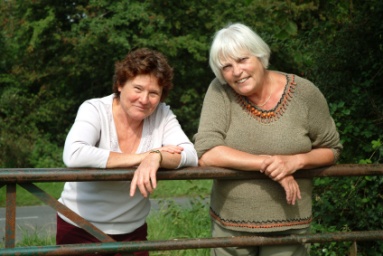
column 347, row 66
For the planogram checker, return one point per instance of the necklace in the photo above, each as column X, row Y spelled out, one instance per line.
column 268, row 116
column 264, row 103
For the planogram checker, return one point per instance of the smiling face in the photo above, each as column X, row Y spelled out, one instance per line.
column 244, row 74
column 140, row 96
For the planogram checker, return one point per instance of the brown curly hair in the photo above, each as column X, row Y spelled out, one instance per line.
column 144, row 61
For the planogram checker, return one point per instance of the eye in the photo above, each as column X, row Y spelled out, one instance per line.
column 154, row 94
column 226, row 67
column 243, row 59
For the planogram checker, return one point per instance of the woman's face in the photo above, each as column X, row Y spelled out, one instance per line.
column 140, row 96
column 245, row 74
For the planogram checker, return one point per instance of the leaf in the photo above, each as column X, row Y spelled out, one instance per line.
column 291, row 28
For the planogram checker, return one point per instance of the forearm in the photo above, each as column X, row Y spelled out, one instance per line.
column 169, row 160
column 226, row 157
column 77, row 155
column 316, row 158
column 116, row 160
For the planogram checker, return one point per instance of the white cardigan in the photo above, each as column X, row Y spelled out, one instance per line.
column 93, row 136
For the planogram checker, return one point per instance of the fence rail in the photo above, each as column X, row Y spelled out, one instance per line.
column 25, row 177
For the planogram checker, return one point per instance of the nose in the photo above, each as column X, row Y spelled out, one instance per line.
column 144, row 98
column 236, row 70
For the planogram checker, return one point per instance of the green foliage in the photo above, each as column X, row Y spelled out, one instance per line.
column 377, row 154
column 46, row 154
column 349, row 71
column 351, row 204
column 328, row 249
column 336, row 205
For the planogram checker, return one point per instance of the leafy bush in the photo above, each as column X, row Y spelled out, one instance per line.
column 351, row 204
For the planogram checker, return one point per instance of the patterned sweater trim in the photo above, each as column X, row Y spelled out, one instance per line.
column 261, row 225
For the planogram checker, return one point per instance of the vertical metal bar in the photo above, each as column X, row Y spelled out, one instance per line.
column 10, row 216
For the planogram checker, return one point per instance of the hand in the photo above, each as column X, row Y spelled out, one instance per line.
column 279, row 166
column 145, row 175
column 291, row 188
column 171, row 149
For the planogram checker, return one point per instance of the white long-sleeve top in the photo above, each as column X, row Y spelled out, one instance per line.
column 107, row 204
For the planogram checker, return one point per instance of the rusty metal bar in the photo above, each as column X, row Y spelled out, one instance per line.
column 17, row 175
column 200, row 243
column 51, row 201
column 10, row 216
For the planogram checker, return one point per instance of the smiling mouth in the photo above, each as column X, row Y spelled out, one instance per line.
column 242, row 80
column 141, row 108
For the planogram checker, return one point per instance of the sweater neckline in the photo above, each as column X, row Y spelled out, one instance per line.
column 268, row 116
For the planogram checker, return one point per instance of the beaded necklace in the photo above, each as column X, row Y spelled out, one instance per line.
column 268, row 116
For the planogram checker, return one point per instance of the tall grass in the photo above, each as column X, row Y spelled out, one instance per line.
column 175, row 221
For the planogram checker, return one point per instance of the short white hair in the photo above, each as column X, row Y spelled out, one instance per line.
column 232, row 41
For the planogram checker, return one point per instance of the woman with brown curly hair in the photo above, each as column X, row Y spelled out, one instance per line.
column 131, row 127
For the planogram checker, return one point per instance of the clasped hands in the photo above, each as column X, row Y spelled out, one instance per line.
column 145, row 176
column 280, row 169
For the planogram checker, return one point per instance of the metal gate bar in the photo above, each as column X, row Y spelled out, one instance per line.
column 20, row 175
column 10, row 215
column 52, row 202
column 200, row 243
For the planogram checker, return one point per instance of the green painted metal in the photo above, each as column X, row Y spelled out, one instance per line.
column 181, row 244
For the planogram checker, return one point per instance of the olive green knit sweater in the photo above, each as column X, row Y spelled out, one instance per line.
column 300, row 122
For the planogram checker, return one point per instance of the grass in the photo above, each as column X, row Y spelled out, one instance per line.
column 36, row 237
column 174, row 221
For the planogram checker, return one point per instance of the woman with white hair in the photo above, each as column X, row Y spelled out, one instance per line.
column 255, row 119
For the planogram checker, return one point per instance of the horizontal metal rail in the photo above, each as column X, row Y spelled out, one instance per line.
column 200, row 243
column 20, row 175
column 26, row 176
